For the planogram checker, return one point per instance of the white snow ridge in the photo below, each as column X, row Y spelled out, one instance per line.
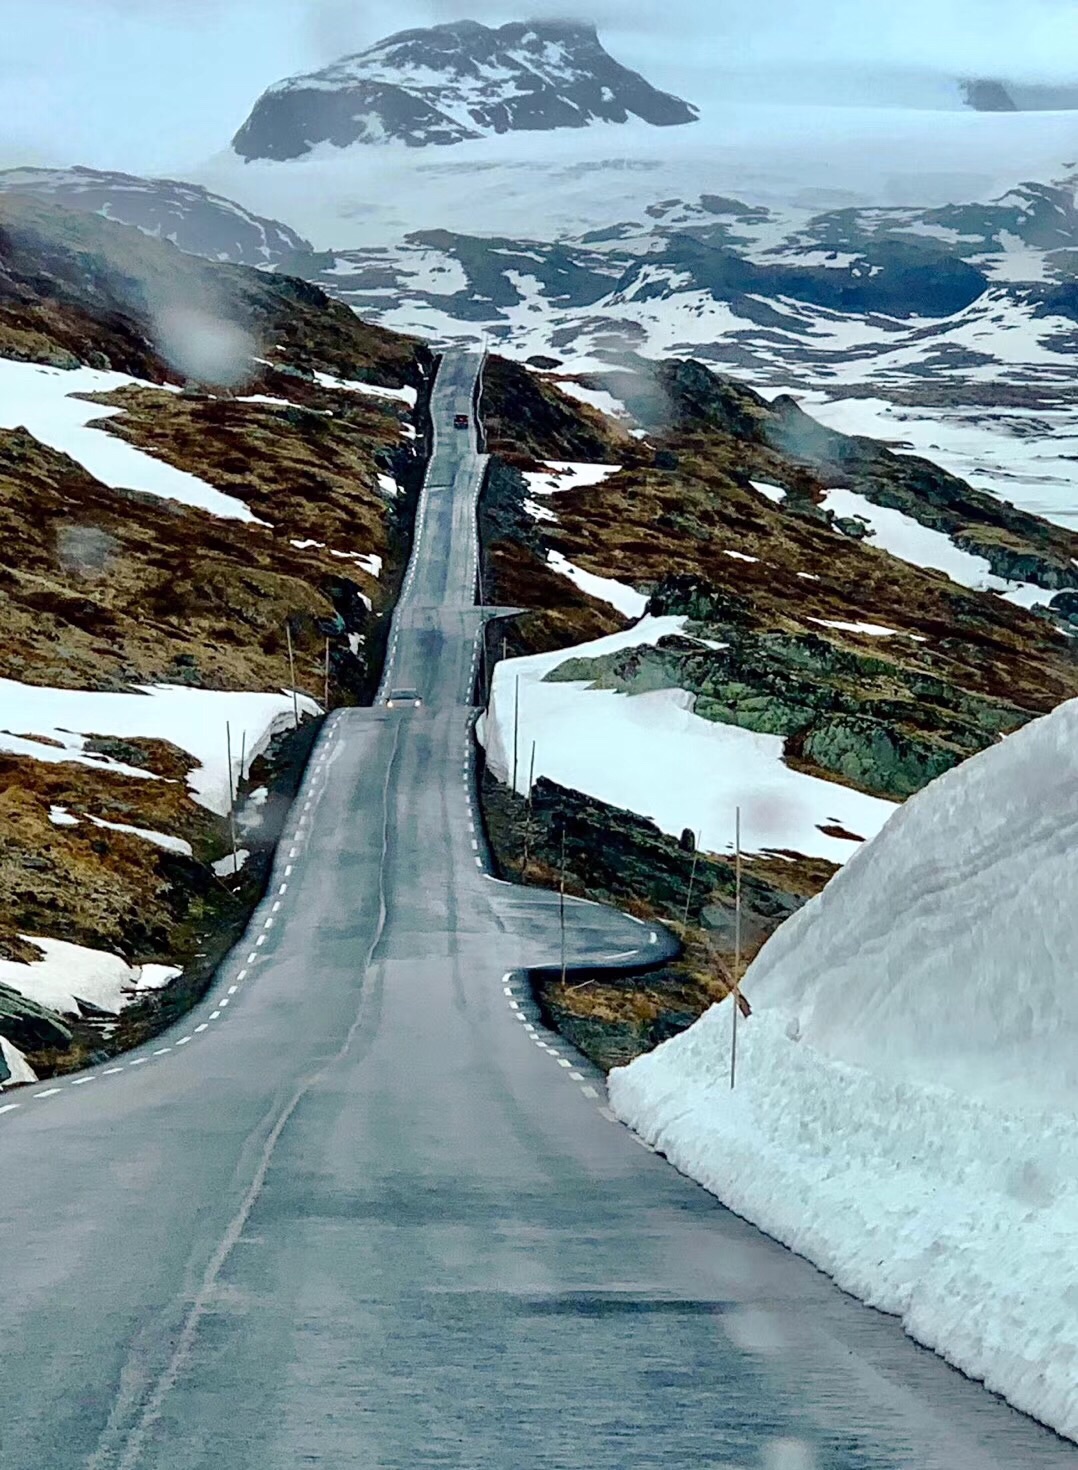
column 907, row 1086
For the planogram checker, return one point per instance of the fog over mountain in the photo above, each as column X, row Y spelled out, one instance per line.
column 76, row 72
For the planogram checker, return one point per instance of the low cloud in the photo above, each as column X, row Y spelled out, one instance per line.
column 204, row 347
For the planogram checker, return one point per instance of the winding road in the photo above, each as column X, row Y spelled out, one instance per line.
column 361, row 1211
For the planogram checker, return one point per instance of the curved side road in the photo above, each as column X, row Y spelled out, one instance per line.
column 360, row 1210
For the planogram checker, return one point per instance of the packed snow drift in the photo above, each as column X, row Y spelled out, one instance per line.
column 907, row 1085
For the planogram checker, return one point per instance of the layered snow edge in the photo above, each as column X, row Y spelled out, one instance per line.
column 906, row 1099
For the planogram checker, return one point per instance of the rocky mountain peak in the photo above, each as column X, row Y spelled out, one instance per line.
column 448, row 83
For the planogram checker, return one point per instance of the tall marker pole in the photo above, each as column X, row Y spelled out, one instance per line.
column 292, row 673
column 561, row 903
column 692, row 874
column 737, row 945
column 516, row 729
column 528, row 819
column 231, row 794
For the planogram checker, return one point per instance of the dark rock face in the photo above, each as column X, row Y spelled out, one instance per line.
column 452, row 82
column 869, row 722
column 995, row 96
column 196, row 221
column 29, row 1026
column 987, row 96
column 892, row 277
column 1016, row 545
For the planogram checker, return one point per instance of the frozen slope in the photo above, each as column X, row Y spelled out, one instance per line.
column 907, row 1087
column 805, row 156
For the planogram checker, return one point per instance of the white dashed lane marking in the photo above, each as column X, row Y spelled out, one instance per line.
column 49, row 1092
column 9, row 1107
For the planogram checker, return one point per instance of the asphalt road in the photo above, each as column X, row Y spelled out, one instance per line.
column 360, row 1211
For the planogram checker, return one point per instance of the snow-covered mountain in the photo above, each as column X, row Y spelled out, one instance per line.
column 449, row 83
column 906, row 1084
column 197, row 221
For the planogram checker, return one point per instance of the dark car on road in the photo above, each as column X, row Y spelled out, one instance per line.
column 404, row 699
column 460, row 421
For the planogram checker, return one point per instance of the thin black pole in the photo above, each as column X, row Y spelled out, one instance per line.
column 292, row 673
column 737, row 945
column 528, row 819
column 516, row 729
column 231, row 794
column 561, row 903
column 692, row 875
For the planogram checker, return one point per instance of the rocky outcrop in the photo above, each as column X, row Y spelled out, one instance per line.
column 30, row 1027
column 897, row 278
column 454, row 82
column 1015, row 544
column 872, row 723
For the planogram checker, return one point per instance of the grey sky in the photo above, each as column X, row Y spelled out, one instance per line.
column 155, row 84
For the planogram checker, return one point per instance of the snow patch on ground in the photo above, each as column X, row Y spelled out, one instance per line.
column 599, row 398
column 227, row 867
column 871, row 630
column 61, row 817
column 39, row 399
column 628, row 602
column 406, row 394
column 69, row 973
column 193, row 719
column 563, row 474
column 769, row 492
column 907, row 1086
column 1025, row 456
column 650, row 754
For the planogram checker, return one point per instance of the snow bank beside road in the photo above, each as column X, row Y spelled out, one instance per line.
column 907, row 1098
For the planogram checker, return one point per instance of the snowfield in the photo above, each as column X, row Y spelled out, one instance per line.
column 39, row 399
column 648, row 753
column 1025, row 456
column 193, row 719
column 906, row 1109
column 763, row 153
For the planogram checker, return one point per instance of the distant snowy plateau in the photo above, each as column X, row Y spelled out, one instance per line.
column 910, row 274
